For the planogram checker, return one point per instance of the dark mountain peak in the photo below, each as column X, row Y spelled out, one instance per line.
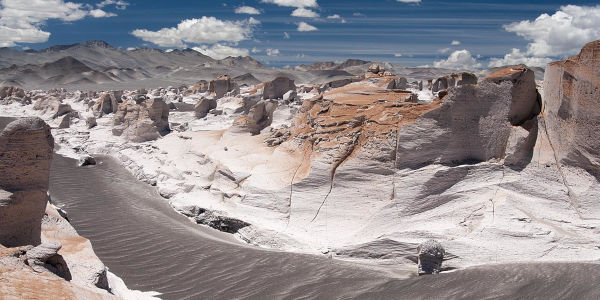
column 244, row 60
column 189, row 51
column 148, row 50
column 247, row 79
column 352, row 63
column 88, row 44
column 97, row 43
column 67, row 63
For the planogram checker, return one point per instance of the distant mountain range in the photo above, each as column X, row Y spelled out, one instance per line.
column 96, row 65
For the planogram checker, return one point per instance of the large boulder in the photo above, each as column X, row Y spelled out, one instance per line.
column 278, row 87
column 45, row 258
column 473, row 123
column 106, row 104
column 259, row 117
column 10, row 94
column 203, row 106
column 398, row 83
column 26, row 147
column 142, row 122
column 572, row 109
column 453, row 80
column 200, row 87
column 221, row 86
column 52, row 106
column 430, row 257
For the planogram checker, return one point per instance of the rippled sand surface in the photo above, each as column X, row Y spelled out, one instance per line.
column 140, row 238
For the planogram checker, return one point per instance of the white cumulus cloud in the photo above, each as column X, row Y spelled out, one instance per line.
column 516, row 57
column 303, row 26
column 445, row 50
column 98, row 13
column 455, row 43
column 119, row 4
column 293, row 3
column 247, row 10
column 560, row 34
column 206, row 30
column 272, row 52
column 409, row 1
column 218, row 51
column 21, row 21
column 333, row 17
column 460, row 59
column 304, row 13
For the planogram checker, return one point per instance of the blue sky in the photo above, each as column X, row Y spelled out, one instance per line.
column 386, row 30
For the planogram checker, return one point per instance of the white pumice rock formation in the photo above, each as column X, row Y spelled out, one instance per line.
column 26, row 147
column 142, row 122
column 41, row 255
column 361, row 171
column 571, row 112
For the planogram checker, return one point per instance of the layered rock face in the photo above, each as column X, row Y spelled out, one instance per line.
column 278, row 87
column 142, row 122
column 26, row 147
column 572, row 108
column 473, row 124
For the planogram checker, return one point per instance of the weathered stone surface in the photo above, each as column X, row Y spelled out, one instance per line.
column 523, row 90
column 521, row 143
column 221, row 86
column 290, row 96
column 10, row 94
column 200, row 87
column 105, row 105
column 340, row 83
column 278, row 87
column 399, row 83
column 203, row 106
column 86, row 161
column 472, row 125
column 52, row 106
column 572, row 108
column 66, row 120
column 375, row 68
column 142, row 122
column 431, row 255
column 26, row 147
column 215, row 219
column 440, row 84
column 13, row 91
column 453, row 80
column 91, row 122
column 45, row 257
column 259, row 117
